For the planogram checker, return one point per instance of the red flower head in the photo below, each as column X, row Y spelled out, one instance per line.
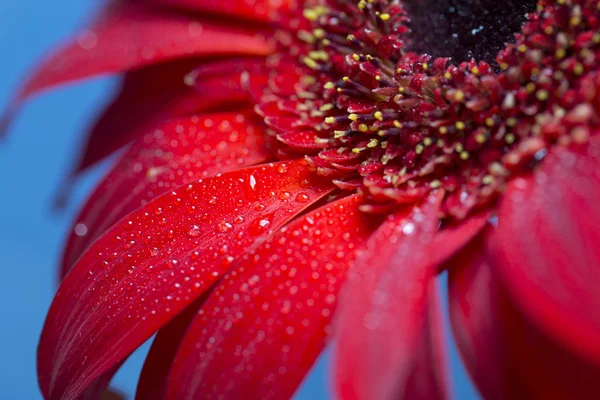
column 330, row 146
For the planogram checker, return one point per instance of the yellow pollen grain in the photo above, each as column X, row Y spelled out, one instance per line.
column 509, row 138
column 542, row 95
column 310, row 63
column 319, row 33
column 459, row 125
column 464, row 155
column 435, row 184
column 373, row 143
column 306, row 37
column 397, row 124
column 352, row 117
column 378, row 115
column 318, row 55
column 487, row 180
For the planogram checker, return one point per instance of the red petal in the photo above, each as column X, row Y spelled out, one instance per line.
column 132, row 36
column 153, row 380
column 260, row 10
column 153, row 263
column 548, row 247
column 452, row 239
column 181, row 151
column 266, row 323
column 147, row 96
column 168, row 90
column 429, row 378
column 507, row 355
column 384, row 306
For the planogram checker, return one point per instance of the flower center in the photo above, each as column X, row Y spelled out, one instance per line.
column 465, row 29
column 347, row 93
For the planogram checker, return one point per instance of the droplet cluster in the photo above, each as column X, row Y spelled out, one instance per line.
column 395, row 125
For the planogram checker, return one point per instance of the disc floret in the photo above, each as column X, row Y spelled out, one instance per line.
column 396, row 125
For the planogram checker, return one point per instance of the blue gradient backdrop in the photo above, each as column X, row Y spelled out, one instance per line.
column 33, row 159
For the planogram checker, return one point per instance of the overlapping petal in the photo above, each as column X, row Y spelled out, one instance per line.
column 384, row 307
column 178, row 152
column 548, row 247
column 130, row 35
column 267, row 321
column 147, row 97
column 430, row 375
column 159, row 259
column 507, row 355
column 260, row 10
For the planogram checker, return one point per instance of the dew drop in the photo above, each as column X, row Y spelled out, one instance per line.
column 194, row 231
column 302, row 197
column 259, row 225
column 224, row 227
column 81, row 229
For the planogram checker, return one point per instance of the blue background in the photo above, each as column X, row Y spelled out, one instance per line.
column 34, row 158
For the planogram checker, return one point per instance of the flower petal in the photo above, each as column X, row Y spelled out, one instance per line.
column 260, row 10
column 153, row 380
column 430, row 376
column 179, row 152
column 131, row 36
column 507, row 355
column 169, row 90
column 548, row 248
column 384, row 305
column 267, row 321
column 159, row 259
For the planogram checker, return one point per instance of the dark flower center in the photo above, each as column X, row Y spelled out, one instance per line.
column 465, row 29
column 373, row 116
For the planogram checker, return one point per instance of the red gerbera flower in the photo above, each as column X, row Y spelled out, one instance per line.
column 394, row 166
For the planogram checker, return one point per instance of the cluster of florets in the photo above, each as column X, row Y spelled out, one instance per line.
column 397, row 125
